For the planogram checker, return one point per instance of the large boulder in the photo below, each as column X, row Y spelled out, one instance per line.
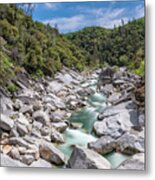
column 116, row 120
column 50, row 153
column 6, row 123
column 82, row 158
column 136, row 162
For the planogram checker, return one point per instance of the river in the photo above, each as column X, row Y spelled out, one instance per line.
column 86, row 117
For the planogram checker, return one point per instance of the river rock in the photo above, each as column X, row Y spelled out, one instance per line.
column 130, row 144
column 56, row 137
column 41, row 116
column 136, row 162
column 60, row 126
column 103, row 145
column 15, row 153
column 27, row 159
column 42, row 163
column 6, row 123
column 82, row 158
column 50, row 153
column 6, row 161
column 22, row 129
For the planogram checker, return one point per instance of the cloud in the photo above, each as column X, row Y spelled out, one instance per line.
column 139, row 11
column 52, row 5
column 104, row 17
column 66, row 24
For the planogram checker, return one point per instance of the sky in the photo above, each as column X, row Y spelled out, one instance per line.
column 73, row 16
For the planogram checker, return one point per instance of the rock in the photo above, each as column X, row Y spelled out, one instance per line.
column 41, row 117
column 21, row 142
column 37, row 125
column 15, row 153
column 60, row 126
column 37, row 106
column 110, row 126
column 50, row 153
column 22, row 129
column 130, row 144
column 42, row 163
column 22, row 120
column 57, row 116
column 26, row 109
column 116, row 120
column 136, row 162
column 45, row 131
column 103, row 145
column 27, row 159
column 17, row 105
column 6, row 149
column 6, row 161
column 55, row 86
column 82, row 158
column 6, row 123
column 56, row 137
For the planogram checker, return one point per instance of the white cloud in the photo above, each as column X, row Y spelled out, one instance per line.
column 139, row 12
column 105, row 17
column 52, row 5
column 66, row 24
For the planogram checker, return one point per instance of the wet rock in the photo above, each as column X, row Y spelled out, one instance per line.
column 50, row 153
column 6, row 161
column 41, row 116
column 136, row 162
column 82, row 158
column 6, row 123
column 103, row 145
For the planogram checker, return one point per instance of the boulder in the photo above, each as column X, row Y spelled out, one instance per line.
column 22, row 129
column 82, row 158
column 6, row 123
column 41, row 116
column 103, row 145
column 27, row 159
column 60, row 126
column 56, row 137
column 136, row 162
column 130, row 144
column 41, row 163
column 6, row 161
column 50, row 153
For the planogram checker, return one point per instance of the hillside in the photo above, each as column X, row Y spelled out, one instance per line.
column 42, row 50
column 121, row 46
column 38, row 48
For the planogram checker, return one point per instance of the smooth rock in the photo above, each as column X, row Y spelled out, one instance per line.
column 82, row 158
column 136, row 162
column 41, row 117
column 42, row 163
column 103, row 145
column 6, row 161
column 50, row 153
column 6, row 123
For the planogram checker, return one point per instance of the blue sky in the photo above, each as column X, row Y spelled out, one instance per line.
column 73, row 16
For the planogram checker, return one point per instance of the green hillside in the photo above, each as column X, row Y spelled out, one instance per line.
column 121, row 46
column 42, row 50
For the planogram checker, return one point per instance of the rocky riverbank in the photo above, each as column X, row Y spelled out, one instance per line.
column 34, row 120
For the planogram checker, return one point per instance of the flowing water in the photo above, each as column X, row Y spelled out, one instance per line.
column 87, row 116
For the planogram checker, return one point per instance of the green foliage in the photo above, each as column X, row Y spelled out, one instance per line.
column 11, row 87
column 121, row 46
column 41, row 50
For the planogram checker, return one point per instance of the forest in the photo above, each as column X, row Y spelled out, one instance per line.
column 41, row 50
